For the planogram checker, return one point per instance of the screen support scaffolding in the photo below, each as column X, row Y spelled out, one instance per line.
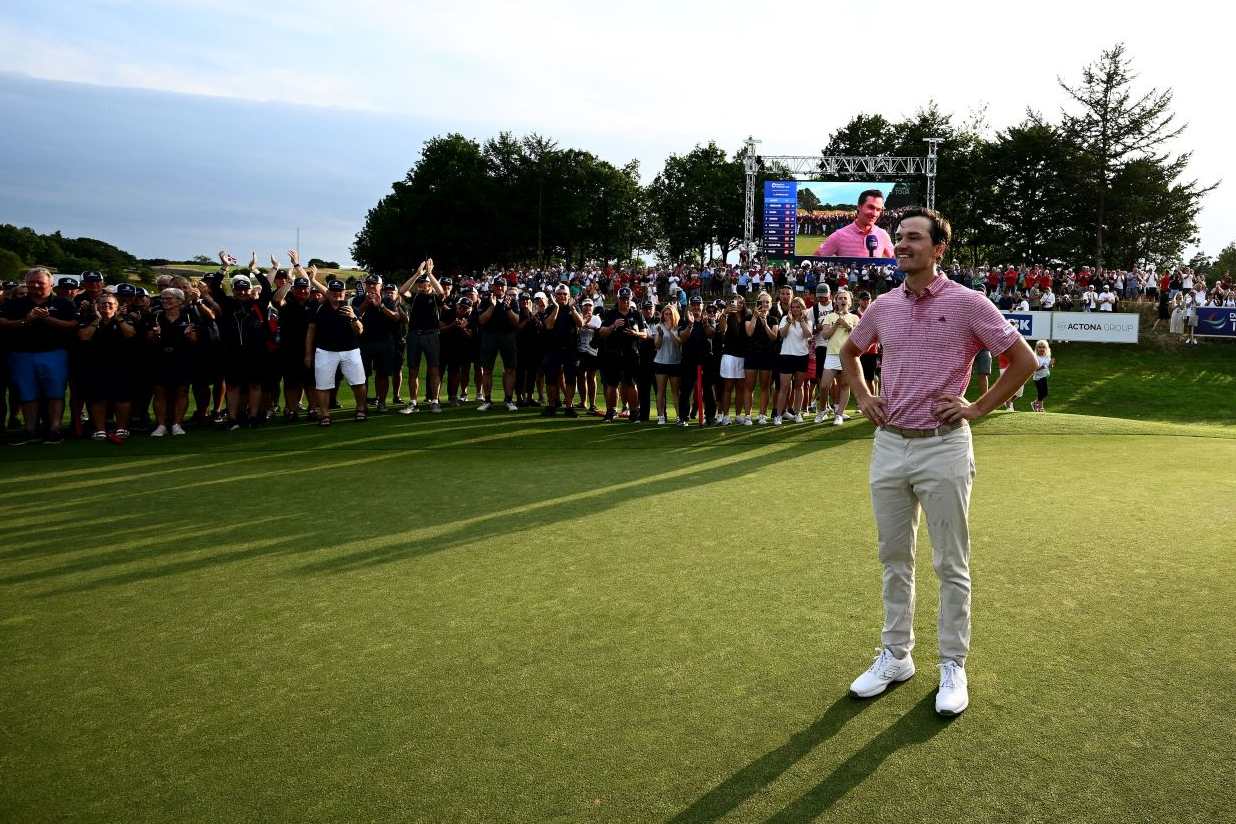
column 806, row 166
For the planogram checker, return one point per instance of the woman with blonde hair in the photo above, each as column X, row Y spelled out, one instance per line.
column 837, row 327
column 667, row 363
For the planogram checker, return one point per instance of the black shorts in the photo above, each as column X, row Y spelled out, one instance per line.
column 870, row 362
column 792, row 364
column 173, row 369
column 378, row 357
column 759, row 361
column 619, row 367
column 107, row 385
column 671, row 369
column 207, row 366
column 587, row 363
column 553, row 360
column 245, row 366
column 821, row 355
column 293, row 370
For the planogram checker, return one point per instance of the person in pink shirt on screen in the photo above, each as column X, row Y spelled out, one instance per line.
column 852, row 240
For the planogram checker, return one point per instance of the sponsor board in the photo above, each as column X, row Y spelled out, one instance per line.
column 1033, row 325
column 1102, row 327
column 1216, row 322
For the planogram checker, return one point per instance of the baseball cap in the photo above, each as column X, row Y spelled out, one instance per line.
column 300, row 283
column 465, row 303
column 446, row 281
column 240, row 280
column 92, row 276
column 126, row 290
column 696, row 299
column 499, row 280
column 141, row 293
column 586, row 302
column 523, row 296
column 823, row 290
column 540, row 296
column 647, row 305
column 624, row 292
column 373, row 279
column 336, row 286
column 390, row 287
column 70, row 283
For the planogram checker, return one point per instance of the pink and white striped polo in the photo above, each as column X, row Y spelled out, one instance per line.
column 929, row 342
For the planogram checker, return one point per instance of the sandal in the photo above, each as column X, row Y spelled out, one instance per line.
column 324, row 421
column 361, row 416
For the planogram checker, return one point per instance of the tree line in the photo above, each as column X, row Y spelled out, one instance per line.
column 1096, row 184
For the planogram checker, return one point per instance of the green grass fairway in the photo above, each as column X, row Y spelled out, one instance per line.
column 500, row 618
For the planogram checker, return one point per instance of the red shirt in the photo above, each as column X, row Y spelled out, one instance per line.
column 929, row 341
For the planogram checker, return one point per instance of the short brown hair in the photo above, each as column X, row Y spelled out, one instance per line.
column 941, row 229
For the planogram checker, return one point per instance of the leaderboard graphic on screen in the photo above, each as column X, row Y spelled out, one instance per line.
column 800, row 214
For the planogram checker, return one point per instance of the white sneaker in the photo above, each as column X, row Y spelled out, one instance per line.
column 763, row 420
column 954, row 695
column 159, row 431
column 408, row 409
column 660, row 420
column 776, row 420
column 820, row 418
column 798, row 418
column 683, row 422
column 435, row 407
column 746, row 420
column 511, row 407
column 837, row 421
column 177, row 429
column 485, row 406
column 883, row 672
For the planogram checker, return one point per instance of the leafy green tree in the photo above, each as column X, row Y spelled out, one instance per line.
column 1029, row 213
column 1114, row 127
column 11, row 266
column 1225, row 262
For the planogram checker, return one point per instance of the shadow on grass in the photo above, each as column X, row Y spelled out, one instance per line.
column 915, row 727
column 530, row 497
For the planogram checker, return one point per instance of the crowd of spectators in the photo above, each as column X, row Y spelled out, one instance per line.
column 724, row 344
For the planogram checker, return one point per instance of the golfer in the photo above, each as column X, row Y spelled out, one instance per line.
column 930, row 329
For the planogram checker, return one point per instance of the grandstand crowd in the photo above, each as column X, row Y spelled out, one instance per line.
column 743, row 344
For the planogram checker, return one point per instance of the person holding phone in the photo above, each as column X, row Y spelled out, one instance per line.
column 795, row 333
column 332, row 343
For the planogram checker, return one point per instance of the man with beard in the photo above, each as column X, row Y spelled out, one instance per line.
column 622, row 328
column 39, row 328
column 497, row 318
column 380, row 317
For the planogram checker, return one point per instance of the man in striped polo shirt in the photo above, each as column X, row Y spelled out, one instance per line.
column 930, row 329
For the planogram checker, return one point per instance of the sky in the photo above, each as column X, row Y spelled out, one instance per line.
column 181, row 127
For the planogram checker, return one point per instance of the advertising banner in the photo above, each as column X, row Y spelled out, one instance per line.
column 1216, row 322
column 1100, row 327
column 1032, row 325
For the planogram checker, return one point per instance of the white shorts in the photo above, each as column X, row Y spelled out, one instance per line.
column 832, row 362
column 731, row 367
column 325, row 363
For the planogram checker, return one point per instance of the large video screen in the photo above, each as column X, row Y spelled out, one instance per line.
column 799, row 215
